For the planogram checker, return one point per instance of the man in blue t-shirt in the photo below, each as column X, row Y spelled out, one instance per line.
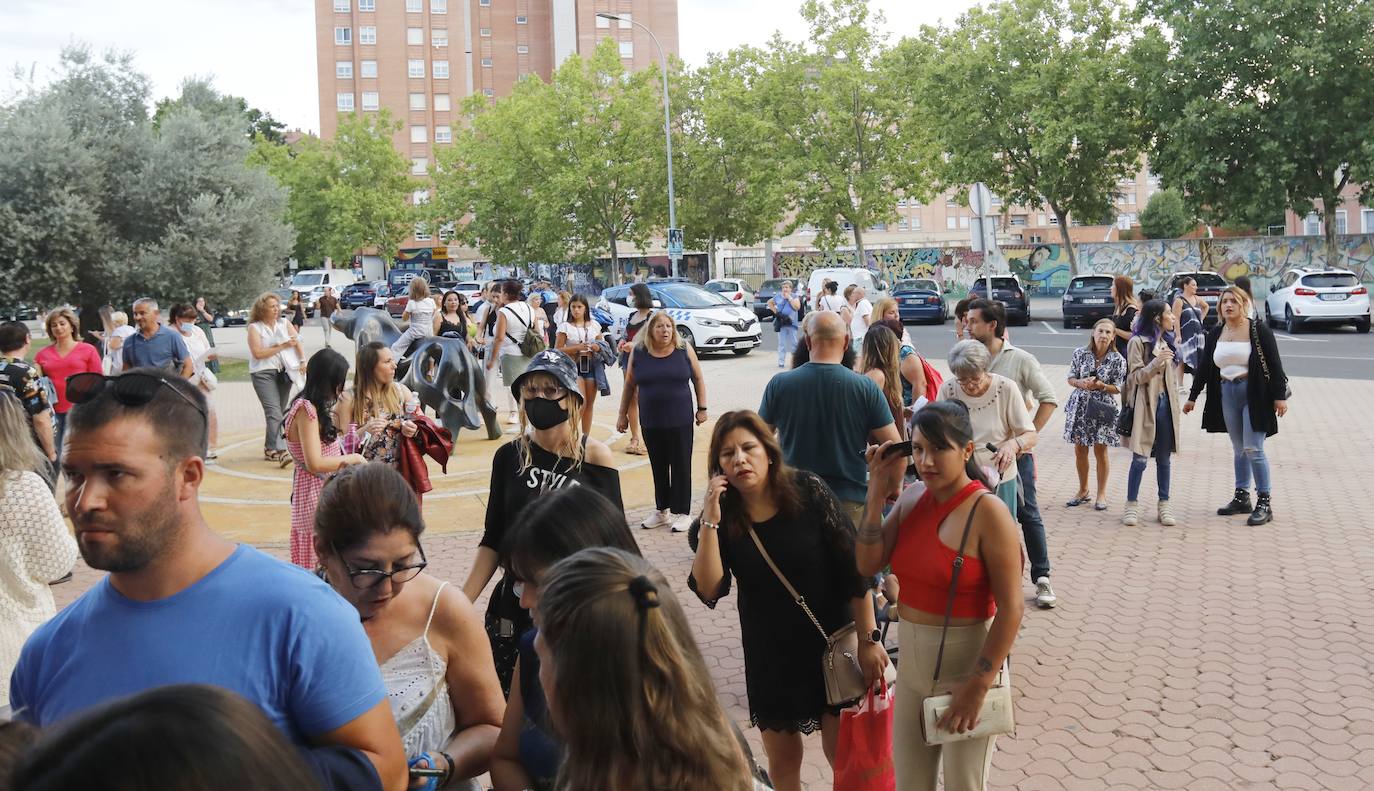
column 826, row 414
column 183, row 605
column 155, row 346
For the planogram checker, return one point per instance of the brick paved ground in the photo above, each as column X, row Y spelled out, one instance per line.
column 1210, row 655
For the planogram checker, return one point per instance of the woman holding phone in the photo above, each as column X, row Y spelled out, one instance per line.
column 578, row 338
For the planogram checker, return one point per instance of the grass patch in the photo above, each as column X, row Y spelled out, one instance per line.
column 233, row 369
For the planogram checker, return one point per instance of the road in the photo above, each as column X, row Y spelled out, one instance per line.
column 1336, row 353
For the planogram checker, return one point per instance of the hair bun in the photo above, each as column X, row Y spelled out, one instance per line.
column 645, row 592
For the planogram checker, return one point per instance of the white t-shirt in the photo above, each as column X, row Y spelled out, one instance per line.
column 270, row 336
column 422, row 311
column 519, row 318
column 833, row 303
column 858, row 326
column 114, row 358
column 587, row 333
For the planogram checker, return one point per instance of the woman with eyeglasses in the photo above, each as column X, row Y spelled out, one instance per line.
column 552, row 528
column 434, row 658
column 549, row 453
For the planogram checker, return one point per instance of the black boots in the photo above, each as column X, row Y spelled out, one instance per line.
column 1262, row 514
column 1240, row 503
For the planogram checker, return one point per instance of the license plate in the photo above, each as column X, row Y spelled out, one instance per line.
column 1094, row 302
column 744, row 344
column 1333, row 297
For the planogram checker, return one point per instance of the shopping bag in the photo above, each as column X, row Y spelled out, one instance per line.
column 863, row 758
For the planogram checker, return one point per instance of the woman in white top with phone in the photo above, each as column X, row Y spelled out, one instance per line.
column 419, row 311
column 276, row 364
column 578, row 337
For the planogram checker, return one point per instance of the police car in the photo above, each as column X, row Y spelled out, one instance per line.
column 706, row 320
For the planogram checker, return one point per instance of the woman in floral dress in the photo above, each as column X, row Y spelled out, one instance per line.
column 381, row 405
column 1096, row 375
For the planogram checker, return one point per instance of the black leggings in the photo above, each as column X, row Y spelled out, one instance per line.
column 670, row 456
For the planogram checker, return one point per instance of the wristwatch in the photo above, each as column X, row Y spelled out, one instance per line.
column 875, row 636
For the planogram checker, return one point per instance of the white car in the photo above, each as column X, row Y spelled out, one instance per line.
column 470, row 289
column 733, row 289
column 1306, row 296
column 706, row 320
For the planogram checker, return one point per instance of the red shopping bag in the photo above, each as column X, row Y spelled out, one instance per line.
column 863, row 758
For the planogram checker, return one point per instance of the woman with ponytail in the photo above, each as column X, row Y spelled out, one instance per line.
column 627, row 688
column 919, row 539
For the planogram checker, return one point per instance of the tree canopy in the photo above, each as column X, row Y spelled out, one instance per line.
column 1166, row 216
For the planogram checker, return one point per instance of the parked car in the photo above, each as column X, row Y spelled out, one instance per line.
column 706, row 320
column 1088, row 299
column 311, row 284
column 360, row 295
column 920, row 300
column 1209, row 288
column 470, row 289
column 843, row 277
column 398, row 286
column 1307, row 296
column 1009, row 291
column 770, row 289
column 733, row 289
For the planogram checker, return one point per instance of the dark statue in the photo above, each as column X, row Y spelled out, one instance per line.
column 449, row 379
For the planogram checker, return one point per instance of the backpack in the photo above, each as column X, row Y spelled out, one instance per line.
column 533, row 343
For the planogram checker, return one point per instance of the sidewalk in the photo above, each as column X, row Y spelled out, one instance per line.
column 1211, row 655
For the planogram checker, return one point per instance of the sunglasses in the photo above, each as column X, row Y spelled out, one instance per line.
column 131, row 389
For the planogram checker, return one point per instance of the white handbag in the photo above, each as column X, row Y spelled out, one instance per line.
column 995, row 717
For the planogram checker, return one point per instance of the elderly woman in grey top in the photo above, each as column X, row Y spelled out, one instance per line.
column 997, row 412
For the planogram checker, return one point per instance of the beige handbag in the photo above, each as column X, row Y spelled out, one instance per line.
column 996, row 716
column 844, row 679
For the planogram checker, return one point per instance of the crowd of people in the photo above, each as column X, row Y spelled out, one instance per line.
column 852, row 497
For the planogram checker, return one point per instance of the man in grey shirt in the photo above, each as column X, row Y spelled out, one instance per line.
column 987, row 323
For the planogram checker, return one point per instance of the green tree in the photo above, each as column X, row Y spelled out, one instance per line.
column 1262, row 106
column 729, row 185
column 1166, row 216
column 368, row 186
column 1037, row 99
column 307, row 170
column 199, row 93
column 838, row 116
column 97, row 206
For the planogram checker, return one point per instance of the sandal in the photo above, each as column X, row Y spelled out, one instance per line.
column 1100, row 506
column 1077, row 501
column 635, row 448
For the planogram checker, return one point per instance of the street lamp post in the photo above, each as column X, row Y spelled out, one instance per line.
column 667, row 124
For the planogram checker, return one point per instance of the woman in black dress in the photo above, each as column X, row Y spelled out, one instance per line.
column 296, row 310
column 451, row 320
column 801, row 525
column 1127, row 306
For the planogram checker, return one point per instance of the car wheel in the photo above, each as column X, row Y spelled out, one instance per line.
column 687, row 337
column 1068, row 323
column 1362, row 325
column 1290, row 321
column 1268, row 315
column 219, row 322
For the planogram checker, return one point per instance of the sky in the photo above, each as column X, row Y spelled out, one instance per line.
column 264, row 50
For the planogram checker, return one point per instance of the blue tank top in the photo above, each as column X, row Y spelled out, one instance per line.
column 665, row 389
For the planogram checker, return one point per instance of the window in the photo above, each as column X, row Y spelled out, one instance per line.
column 439, row 36
column 627, row 49
column 345, row 102
column 343, row 36
column 1367, row 218
column 447, row 231
column 483, row 2
column 486, row 63
column 903, row 224
column 415, row 35
column 1130, row 198
column 369, row 68
column 488, row 92
column 1340, row 221
column 418, row 134
column 415, row 6
column 1018, row 220
column 916, row 223
column 421, row 232
column 950, row 203
column 419, row 166
column 807, row 229
column 441, row 70
column 343, row 69
column 996, row 199
column 522, row 49
column 371, row 100
column 603, row 23
column 1054, row 220
column 951, row 223
column 419, row 197
column 438, row 6
column 963, row 222
column 1312, row 225
column 1035, row 239
column 1040, row 220
column 367, row 5
column 443, row 134
column 625, row 17
column 341, row 6
column 879, row 227
column 415, row 68
column 367, row 34
column 485, row 32
column 417, row 101
column 441, row 103
column 522, row 20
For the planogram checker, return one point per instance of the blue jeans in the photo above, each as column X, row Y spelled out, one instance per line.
column 1247, row 445
column 1028, row 514
column 1162, row 452
column 787, row 343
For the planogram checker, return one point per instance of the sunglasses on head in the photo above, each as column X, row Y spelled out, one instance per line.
column 131, row 389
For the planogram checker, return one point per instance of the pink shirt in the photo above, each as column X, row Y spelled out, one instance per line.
column 84, row 358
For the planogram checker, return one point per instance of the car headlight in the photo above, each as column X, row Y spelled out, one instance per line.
column 708, row 322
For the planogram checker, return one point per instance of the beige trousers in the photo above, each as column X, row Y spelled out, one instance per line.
column 966, row 763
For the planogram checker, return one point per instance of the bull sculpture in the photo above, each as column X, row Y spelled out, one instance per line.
column 444, row 373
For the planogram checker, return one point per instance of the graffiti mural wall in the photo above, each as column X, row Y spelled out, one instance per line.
column 1044, row 268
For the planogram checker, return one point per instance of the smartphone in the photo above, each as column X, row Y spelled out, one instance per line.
column 416, row 771
column 993, row 449
column 898, row 449
column 584, row 363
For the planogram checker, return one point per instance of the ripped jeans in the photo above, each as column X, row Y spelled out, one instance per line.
column 1247, row 444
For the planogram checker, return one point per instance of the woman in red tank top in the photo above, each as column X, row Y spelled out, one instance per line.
column 920, row 539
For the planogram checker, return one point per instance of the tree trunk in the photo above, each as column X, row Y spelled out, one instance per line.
column 1333, row 248
column 715, row 267
column 1065, row 239
column 614, row 275
column 860, row 260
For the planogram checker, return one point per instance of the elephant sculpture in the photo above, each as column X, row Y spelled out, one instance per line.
column 443, row 372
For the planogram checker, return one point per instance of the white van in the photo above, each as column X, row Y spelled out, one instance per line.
column 312, row 282
column 843, row 276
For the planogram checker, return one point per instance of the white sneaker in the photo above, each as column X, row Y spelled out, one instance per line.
column 1166, row 514
column 656, row 520
column 1131, row 516
column 1044, row 594
column 681, row 522
column 513, row 419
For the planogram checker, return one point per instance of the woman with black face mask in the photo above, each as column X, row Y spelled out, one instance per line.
column 552, row 454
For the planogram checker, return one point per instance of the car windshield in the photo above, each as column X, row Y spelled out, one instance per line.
column 307, row 279
column 916, row 285
column 1209, row 280
column 1331, row 280
column 690, row 296
column 718, row 287
column 773, row 285
column 981, row 284
column 469, row 286
column 1091, row 284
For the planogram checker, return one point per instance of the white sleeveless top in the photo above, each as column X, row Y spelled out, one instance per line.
column 418, row 693
column 270, row 336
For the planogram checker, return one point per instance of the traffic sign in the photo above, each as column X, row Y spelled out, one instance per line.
column 674, row 242
column 980, row 199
